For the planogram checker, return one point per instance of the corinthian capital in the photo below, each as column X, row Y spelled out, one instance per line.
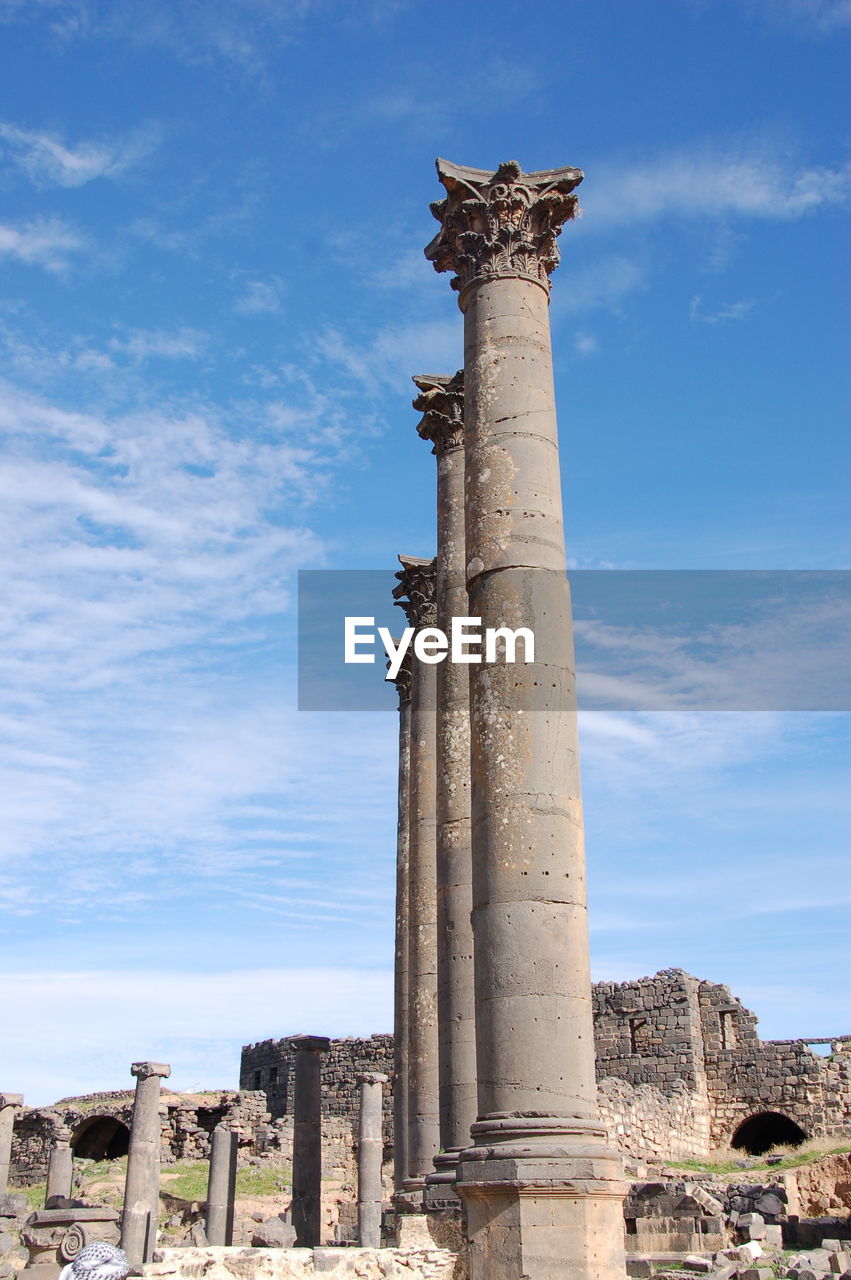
column 441, row 402
column 404, row 678
column 503, row 223
column 415, row 592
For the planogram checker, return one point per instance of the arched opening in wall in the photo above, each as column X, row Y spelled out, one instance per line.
column 100, row 1138
column 760, row 1133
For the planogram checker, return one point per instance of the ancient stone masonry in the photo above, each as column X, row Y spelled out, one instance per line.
column 673, row 1027
column 747, row 1077
column 268, row 1064
column 680, row 1069
column 100, row 1127
column 648, row 1032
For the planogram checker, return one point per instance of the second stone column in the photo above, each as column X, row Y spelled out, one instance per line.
column 441, row 402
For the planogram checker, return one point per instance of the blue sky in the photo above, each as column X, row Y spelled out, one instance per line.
column 212, row 299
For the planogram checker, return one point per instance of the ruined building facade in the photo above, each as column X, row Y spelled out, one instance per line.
column 98, row 1127
column 680, row 1070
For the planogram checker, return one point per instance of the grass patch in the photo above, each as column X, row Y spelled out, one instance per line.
column 256, row 1181
column 34, row 1194
column 188, row 1180
column 729, row 1160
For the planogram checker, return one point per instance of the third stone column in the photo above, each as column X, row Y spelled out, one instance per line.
column 415, row 594
column 542, row 1189
column 400, row 984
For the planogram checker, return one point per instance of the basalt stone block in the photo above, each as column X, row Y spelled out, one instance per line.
column 274, row 1233
column 14, row 1206
column 770, row 1204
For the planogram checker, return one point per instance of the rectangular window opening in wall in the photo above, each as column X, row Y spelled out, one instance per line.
column 637, row 1035
column 256, row 1079
column 728, row 1029
column 273, row 1075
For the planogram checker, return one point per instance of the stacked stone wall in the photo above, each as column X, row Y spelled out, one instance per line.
column 187, row 1123
column 644, row 1122
column 271, row 1063
column 688, row 1051
column 747, row 1076
column 648, row 1031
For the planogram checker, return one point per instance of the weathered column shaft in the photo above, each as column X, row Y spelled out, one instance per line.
column 60, row 1169
column 541, row 1187
column 307, row 1140
column 9, row 1102
column 533, row 979
column 417, row 583
column 142, row 1185
column 370, row 1152
column 221, row 1186
column 442, row 404
column 400, row 988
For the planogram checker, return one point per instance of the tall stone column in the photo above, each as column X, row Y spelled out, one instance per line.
column 415, row 594
column 221, row 1186
column 307, row 1140
column 400, row 985
column 370, row 1152
column 9, row 1102
column 441, row 402
column 142, row 1185
column 542, row 1189
column 60, row 1169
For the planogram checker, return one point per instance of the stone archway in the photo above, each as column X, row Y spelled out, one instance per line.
column 100, row 1138
column 767, row 1129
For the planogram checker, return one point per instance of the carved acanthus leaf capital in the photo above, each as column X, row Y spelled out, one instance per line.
column 441, row 402
column 403, row 678
column 416, row 591
column 503, row 223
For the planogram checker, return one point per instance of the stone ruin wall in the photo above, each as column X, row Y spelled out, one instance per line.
column 679, row 1066
column 746, row 1075
column 187, row 1123
column 268, row 1065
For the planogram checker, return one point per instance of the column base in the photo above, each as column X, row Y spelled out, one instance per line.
column 440, row 1192
column 409, row 1198
column 544, row 1200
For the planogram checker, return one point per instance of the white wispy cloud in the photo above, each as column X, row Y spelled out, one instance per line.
column 727, row 311
column 711, row 180
column 243, row 35
column 810, row 17
column 146, row 684
column 259, row 297
column 602, row 284
column 45, row 159
column 786, row 650
column 586, row 344
column 44, row 242
column 46, row 1012
column 143, row 344
column 396, row 353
